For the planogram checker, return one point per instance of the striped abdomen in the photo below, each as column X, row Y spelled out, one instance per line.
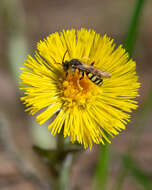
column 97, row 80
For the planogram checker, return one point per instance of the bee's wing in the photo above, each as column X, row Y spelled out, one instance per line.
column 82, row 67
column 103, row 74
column 93, row 70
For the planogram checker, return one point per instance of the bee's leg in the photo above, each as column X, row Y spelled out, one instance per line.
column 78, row 81
column 79, row 86
column 82, row 73
column 57, row 63
column 92, row 63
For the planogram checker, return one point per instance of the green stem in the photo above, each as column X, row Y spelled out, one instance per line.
column 131, row 35
column 64, row 165
column 101, row 176
column 129, row 45
column 64, row 175
column 60, row 142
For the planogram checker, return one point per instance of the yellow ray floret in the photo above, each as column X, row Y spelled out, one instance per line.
column 84, row 110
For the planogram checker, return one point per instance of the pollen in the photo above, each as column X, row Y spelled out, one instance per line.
column 78, row 90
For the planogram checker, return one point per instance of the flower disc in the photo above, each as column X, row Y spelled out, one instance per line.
column 86, row 112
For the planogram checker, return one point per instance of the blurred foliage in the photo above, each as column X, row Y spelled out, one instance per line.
column 135, row 171
column 128, row 157
column 132, row 32
column 18, row 43
column 128, row 164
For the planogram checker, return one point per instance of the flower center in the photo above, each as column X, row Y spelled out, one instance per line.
column 78, row 90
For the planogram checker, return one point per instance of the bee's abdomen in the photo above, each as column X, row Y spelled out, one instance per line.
column 97, row 80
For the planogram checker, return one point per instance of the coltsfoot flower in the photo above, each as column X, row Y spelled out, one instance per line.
column 83, row 109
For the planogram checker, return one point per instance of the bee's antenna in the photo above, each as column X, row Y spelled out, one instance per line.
column 64, row 56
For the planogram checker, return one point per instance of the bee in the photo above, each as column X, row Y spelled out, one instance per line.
column 94, row 74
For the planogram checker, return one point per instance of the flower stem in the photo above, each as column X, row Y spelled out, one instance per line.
column 101, row 175
column 61, row 181
column 60, row 142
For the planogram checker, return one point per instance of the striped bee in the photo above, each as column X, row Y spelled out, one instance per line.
column 94, row 74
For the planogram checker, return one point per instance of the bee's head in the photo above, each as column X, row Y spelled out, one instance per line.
column 65, row 65
column 75, row 62
column 69, row 64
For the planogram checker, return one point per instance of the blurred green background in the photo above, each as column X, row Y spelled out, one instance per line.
column 127, row 163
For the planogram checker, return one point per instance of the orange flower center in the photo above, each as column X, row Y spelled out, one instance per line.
column 78, row 90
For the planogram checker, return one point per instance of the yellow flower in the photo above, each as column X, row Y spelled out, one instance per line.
column 86, row 112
